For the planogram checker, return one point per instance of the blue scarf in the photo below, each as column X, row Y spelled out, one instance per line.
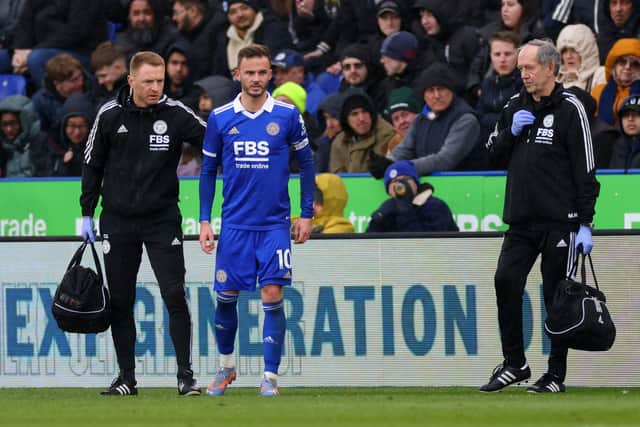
column 608, row 97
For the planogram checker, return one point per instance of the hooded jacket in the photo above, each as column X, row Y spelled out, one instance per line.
column 76, row 105
column 132, row 155
column 188, row 93
column 580, row 38
column 334, row 199
column 331, row 104
column 25, row 156
column 352, row 153
column 455, row 45
column 551, row 182
column 609, row 34
column 610, row 96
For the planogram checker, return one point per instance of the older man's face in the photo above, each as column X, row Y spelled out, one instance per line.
column 438, row 98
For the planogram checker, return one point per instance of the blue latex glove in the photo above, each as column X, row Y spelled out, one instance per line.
column 521, row 119
column 584, row 239
column 87, row 229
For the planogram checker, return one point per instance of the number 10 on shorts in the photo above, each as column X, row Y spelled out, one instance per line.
column 284, row 258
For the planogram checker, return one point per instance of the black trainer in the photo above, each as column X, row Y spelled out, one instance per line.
column 548, row 383
column 504, row 375
column 187, row 385
column 120, row 387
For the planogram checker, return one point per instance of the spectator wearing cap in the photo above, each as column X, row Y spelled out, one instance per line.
column 329, row 121
column 445, row 136
column 47, row 28
column 288, row 66
column 363, row 135
column 502, row 82
column 200, row 25
column 626, row 149
column 399, row 57
column 358, row 72
column 147, row 29
column 247, row 25
column 391, row 18
column 622, row 71
column 412, row 206
column 294, row 94
column 402, row 108
column 444, row 38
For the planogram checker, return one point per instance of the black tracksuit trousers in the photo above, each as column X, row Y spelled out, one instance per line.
column 520, row 249
column 162, row 237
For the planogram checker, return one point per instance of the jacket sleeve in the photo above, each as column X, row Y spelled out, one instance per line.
column 24, row 37
column 193, row 128
column 582, row 161
column 95, row 157
column 459, row 142
column 501, row 140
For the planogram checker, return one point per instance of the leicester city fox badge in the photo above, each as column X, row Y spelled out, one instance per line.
column 273, row 129
column 160, row 127
column 221, row 276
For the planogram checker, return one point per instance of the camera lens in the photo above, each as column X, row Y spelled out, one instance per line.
column 400, row 189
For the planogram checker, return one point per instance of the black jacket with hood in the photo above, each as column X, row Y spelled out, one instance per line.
column 76, row 105
column 551, row 182
column 132, row 155
column 608, row 33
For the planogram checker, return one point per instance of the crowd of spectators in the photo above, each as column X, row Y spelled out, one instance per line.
column 377, row 81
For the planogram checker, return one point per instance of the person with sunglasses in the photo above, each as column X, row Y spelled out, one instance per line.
column 358, row 72
column 622, row 70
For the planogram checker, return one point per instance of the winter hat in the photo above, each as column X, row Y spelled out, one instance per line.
column 632, row 103
column 287, row 58
column 253, row 4
column 388, row 6
column 437, row 74
column 403, row 167
column 295, row 93
column 352, row 99
column 403, row 98
column 401, row 46
column 356, row 50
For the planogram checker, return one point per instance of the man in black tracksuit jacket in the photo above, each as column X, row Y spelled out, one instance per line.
column 543, row 140
column 131, row 159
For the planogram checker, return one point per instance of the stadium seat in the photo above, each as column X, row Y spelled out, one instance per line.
column 12, row 84
column 112, row 27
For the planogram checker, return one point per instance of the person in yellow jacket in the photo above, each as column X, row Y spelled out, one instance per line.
column 622, row 69
column 329, row 202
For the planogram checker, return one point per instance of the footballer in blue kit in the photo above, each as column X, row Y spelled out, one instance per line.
column 251, row 138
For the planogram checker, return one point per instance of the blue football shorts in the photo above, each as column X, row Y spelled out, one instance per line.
column 245, row 258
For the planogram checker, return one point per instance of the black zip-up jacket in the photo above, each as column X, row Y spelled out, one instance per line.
column 132, row 155
column 551, row 181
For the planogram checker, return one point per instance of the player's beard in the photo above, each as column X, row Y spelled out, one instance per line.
column 255, row 91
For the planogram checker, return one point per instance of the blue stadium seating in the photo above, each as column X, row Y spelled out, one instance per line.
column 12, row 84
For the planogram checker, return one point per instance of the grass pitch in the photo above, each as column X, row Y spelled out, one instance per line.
column 327, row 407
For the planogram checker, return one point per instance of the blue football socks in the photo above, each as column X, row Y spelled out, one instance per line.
column 226, row 322
column 273, row 331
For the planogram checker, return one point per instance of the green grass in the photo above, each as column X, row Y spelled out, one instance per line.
column 328, row 407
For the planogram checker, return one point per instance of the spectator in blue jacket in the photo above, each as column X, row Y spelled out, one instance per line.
column 412, row 206
column 288, row 66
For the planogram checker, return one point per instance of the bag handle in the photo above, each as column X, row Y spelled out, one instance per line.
column 77, row 258
column 583, row 270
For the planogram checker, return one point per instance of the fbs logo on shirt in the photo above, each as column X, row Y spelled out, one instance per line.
column 250, row 148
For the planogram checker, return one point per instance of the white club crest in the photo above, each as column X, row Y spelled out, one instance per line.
column 273, row 129
column 548, row 120
column 160, row 127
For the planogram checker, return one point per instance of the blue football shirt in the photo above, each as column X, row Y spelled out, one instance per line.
column 253, row 148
